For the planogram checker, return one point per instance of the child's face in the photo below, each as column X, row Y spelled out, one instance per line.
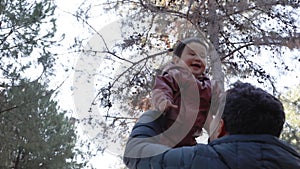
column 194, row 55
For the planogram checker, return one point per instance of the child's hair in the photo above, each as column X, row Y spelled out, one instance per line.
column 178, row 49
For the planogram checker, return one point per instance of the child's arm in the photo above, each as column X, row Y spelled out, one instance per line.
column 163, row 93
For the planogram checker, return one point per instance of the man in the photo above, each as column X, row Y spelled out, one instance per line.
column 246, row 137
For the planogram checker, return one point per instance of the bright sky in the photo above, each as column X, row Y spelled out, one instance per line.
column 68, row 24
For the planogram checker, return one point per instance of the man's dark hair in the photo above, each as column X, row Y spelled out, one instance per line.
column 251, row 110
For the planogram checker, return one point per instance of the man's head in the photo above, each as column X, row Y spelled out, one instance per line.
column 251, row 110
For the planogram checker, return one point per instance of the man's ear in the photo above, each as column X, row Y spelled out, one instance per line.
column 221, row 129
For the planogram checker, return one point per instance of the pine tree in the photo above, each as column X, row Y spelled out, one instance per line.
column 34, row 134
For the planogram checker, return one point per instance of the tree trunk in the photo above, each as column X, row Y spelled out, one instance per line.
column 213, row 32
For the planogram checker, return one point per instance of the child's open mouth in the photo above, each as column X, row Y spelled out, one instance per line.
column 196, row 65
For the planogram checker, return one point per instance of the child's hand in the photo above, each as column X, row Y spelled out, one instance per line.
column 166, row 105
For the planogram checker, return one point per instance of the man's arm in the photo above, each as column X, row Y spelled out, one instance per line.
column 143, row 150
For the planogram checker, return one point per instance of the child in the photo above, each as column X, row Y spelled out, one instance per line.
column 183, row 88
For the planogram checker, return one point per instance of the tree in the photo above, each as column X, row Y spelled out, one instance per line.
column 33, row 133
column 291, row 102
column 240, row 31
column 27, row 34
